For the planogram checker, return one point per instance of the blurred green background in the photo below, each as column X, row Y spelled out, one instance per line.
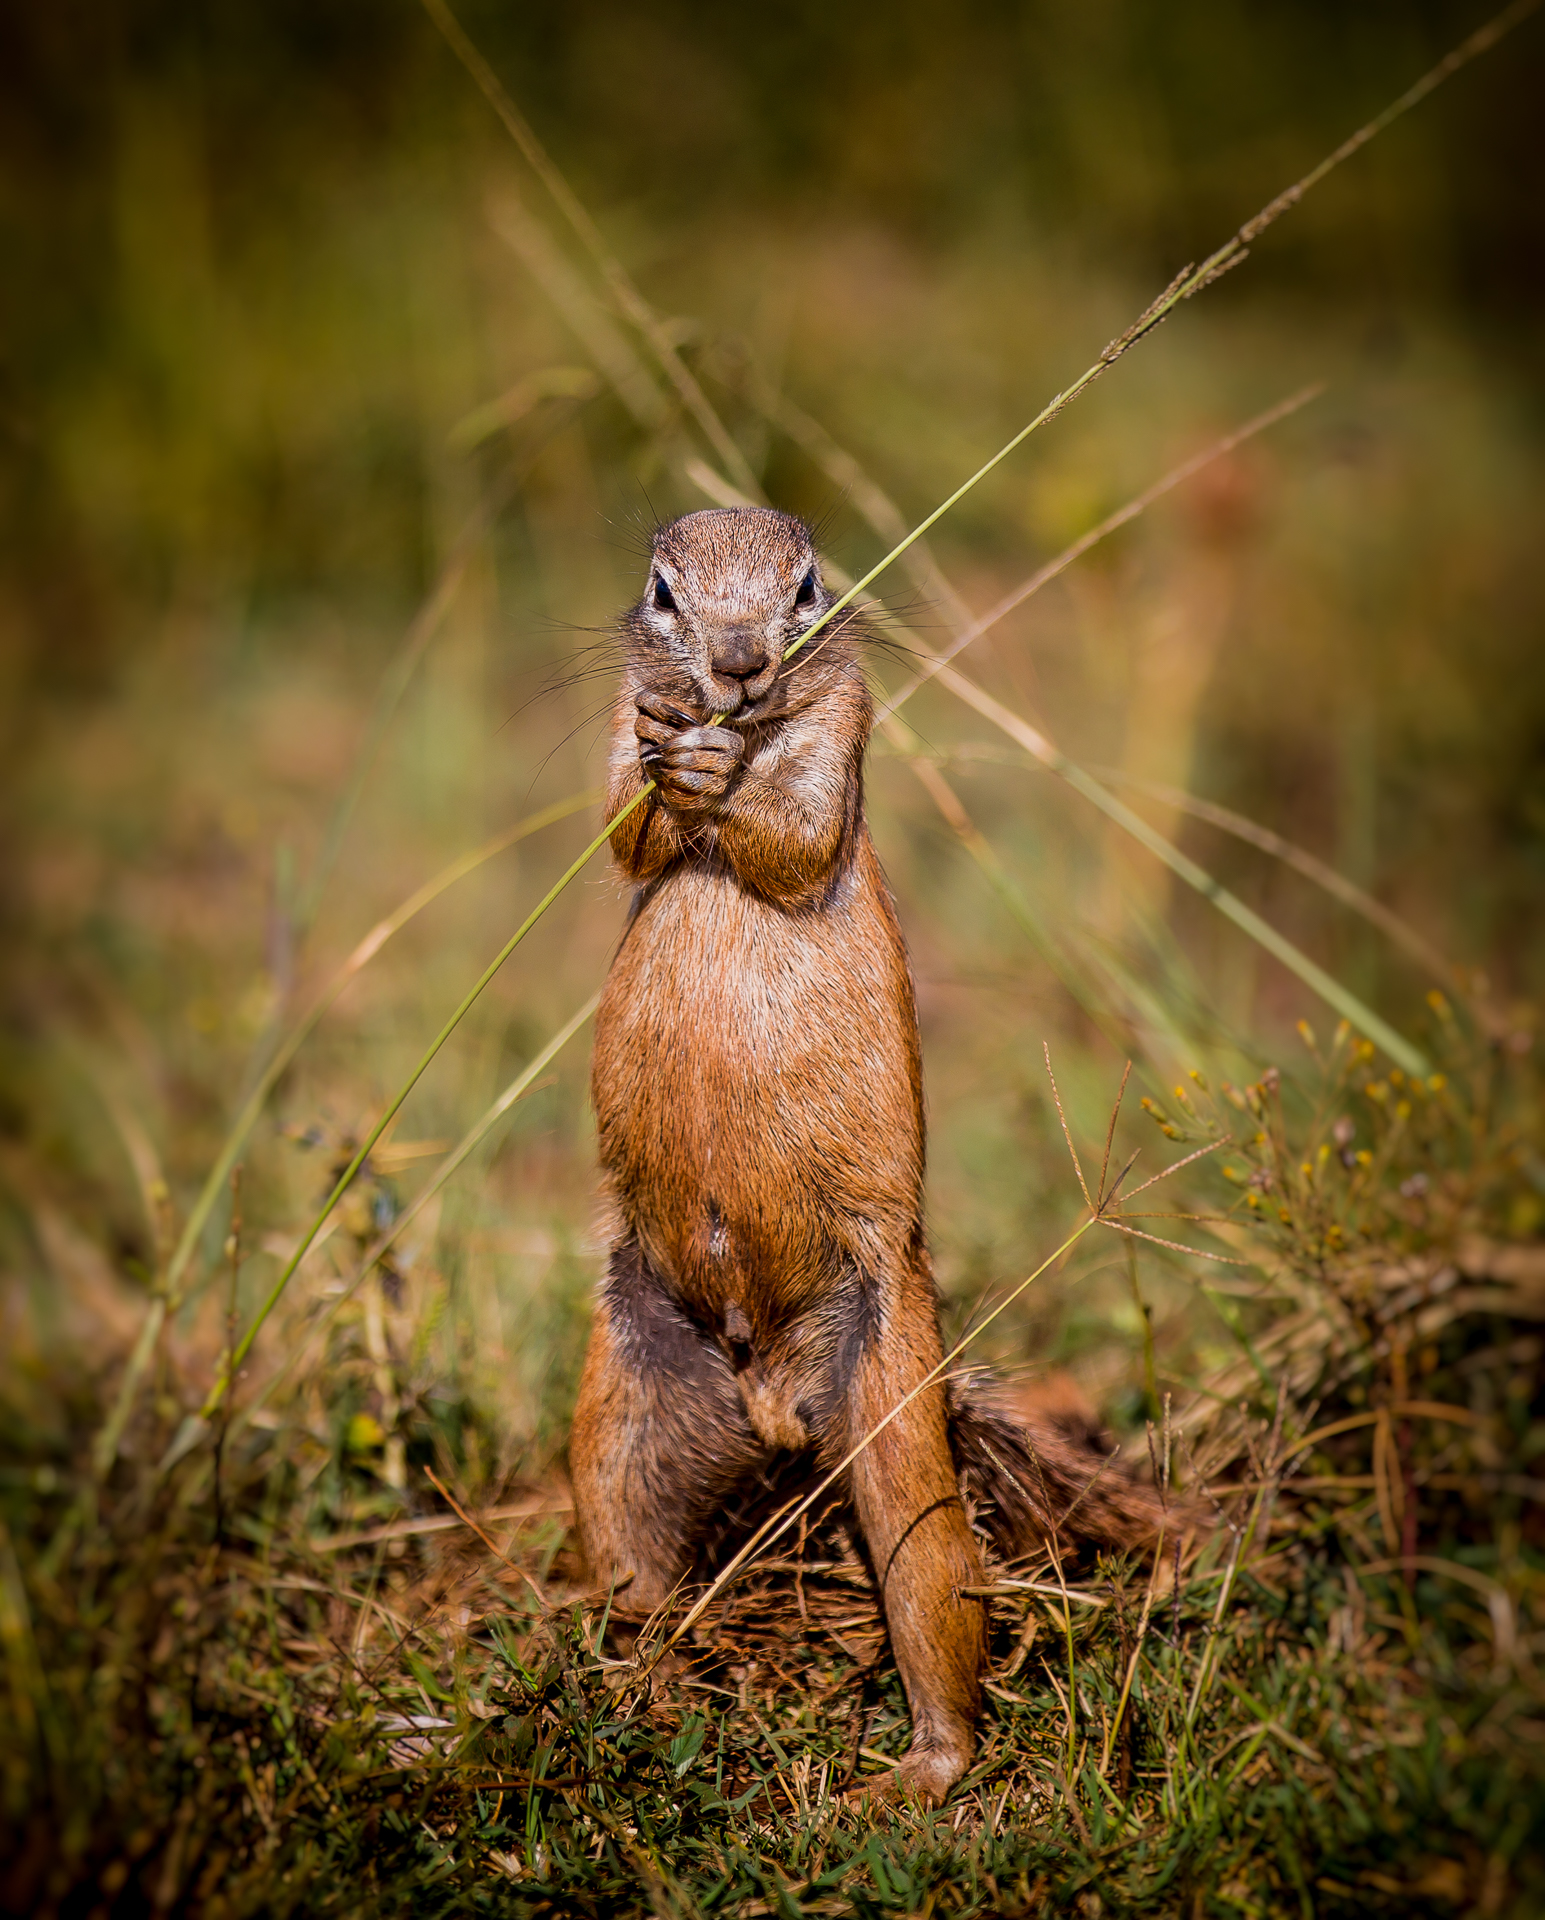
column 258, row 296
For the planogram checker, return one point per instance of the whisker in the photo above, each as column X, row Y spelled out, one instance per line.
column 586, row 677
column 579, row 727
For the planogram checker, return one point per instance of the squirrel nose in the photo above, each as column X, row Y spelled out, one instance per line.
column 739, row 656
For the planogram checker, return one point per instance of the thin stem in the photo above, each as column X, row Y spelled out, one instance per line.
column 399, row 672
column 1145, row 1318
column 1227, row 820
column 1073, row 976
column 545, row 1605
column 1056, row 1558
column 1260, row 1509
column 470, row 1141
column 218, row 1390
column 1142, row 1633
column 405, row 663
column 1110, row 1131
column 1083, row 1184
column 629, row 300
column 1401, row 932
column 1102, row 530
column 168, row 1290
column 1345, row 1002
column 233, row 1247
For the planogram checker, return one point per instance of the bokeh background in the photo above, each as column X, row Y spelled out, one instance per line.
column 269, row 352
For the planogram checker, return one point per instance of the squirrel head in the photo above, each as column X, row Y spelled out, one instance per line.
column 729, row 592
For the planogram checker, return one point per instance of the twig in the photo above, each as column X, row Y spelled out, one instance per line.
column 1176, row 1246
column 429, row 1523
column 467, row 1521
column 1042, row 1587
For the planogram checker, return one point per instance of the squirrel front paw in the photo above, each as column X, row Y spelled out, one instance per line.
column 692, row 765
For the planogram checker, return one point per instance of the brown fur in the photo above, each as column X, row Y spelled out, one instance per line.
column 758, row 1091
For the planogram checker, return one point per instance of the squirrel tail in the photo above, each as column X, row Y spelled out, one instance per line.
column 1035, row 1476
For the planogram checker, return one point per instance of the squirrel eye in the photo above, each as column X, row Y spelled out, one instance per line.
column 662, row 596
column 806, row 590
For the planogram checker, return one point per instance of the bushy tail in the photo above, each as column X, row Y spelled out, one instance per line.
column 1033, row 1475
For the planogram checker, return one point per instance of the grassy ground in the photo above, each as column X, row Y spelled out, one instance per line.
column 284, row 1684
column 331, row 1649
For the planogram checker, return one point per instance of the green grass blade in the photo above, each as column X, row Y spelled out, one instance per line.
column 1400, row 932
column 452, row 1164
column 105, row 1447
column 1345, row 1002
column 244, row 1346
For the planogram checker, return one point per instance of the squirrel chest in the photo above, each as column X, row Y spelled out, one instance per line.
column 756, row 1082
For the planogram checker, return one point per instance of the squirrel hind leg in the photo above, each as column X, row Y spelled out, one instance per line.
column 660, row 1436
column 1039, row 1476
column 926, row 1559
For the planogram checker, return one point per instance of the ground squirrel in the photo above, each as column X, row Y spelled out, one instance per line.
column 758, row 1091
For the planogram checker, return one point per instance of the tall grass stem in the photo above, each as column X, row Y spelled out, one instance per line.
column 465, row 1147
column 1102, row 530
column 167, row 1292
column 222, row 1382
column 1341, row 998
column 630, row 302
